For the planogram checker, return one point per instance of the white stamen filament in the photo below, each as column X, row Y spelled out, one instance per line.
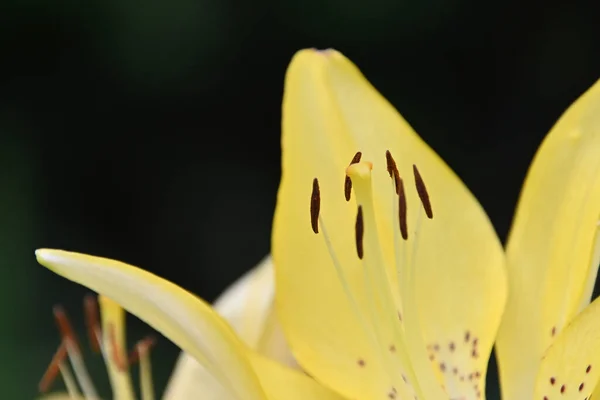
column 69, row 380
column 373, row 334
column 146, row 387
column 81, row 372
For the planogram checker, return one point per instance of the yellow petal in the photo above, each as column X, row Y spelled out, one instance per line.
column 553, row 250
column 570, row 368
column 273, row 343
column 191, row 377
column 247, row 305
column 180, row 316
column 330, row 112
column 280, row 382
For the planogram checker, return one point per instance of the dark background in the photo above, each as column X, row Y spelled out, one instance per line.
column 149, row 131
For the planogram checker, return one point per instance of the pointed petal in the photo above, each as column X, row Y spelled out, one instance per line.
column 330, row 112
column 570, row 368
column 247, row 305
column 553, row 250
column 180, row 316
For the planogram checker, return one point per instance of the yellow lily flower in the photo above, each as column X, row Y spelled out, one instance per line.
column 390, row 278
column 237, row 371
column 548, row 345
column 346, row 269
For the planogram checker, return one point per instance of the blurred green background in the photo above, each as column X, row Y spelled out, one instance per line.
column 149, row 131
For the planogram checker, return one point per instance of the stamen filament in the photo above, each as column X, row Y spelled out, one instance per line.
column 53, row 369
column 69, row 380
column 92, row 321
column 377, row 281
column 376, row 341
column 74, row 354
column 146, row 387
column 113, row 344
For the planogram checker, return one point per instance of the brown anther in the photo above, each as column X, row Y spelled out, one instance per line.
column 360, row 231
column 315, row 206
column 347, row 180
column 422, row 191
column 53, row 369
column 402, row 208
column 119, row 361
column 92, row 321
column 65, row 329
column 392, row 169
column 356, row 158
column 347, row 188
column 142, row 347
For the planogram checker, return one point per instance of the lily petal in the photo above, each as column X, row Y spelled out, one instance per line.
column 570, row 368
column 180, row 316
column 247, row 305
column 330, row 112
column 553, row 250
column 281, row 382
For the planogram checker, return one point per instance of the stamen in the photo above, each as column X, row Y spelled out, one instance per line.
column 69, row 381
column 378, row 287
column 148, row 342
column 64, row 327
column 379, row 291
column 117, row 351
column 368, row 328
column 422, row 191
column 393, row 170
column 92, row 321
column 315, row 206
column 74, row 353
column 348, row 181
column 53, row 369
column 359, row 228
column 113, row 348
column 402, row 209
column 143, row 350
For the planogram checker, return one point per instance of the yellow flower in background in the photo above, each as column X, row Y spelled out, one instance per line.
column 401, row 291
column 390, row 278
column 548, row 346
column 235, row 370
column 248, row 306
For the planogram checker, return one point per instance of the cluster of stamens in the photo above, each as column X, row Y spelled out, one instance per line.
column 103, row 339
column 395, row 355
column 315, row 200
